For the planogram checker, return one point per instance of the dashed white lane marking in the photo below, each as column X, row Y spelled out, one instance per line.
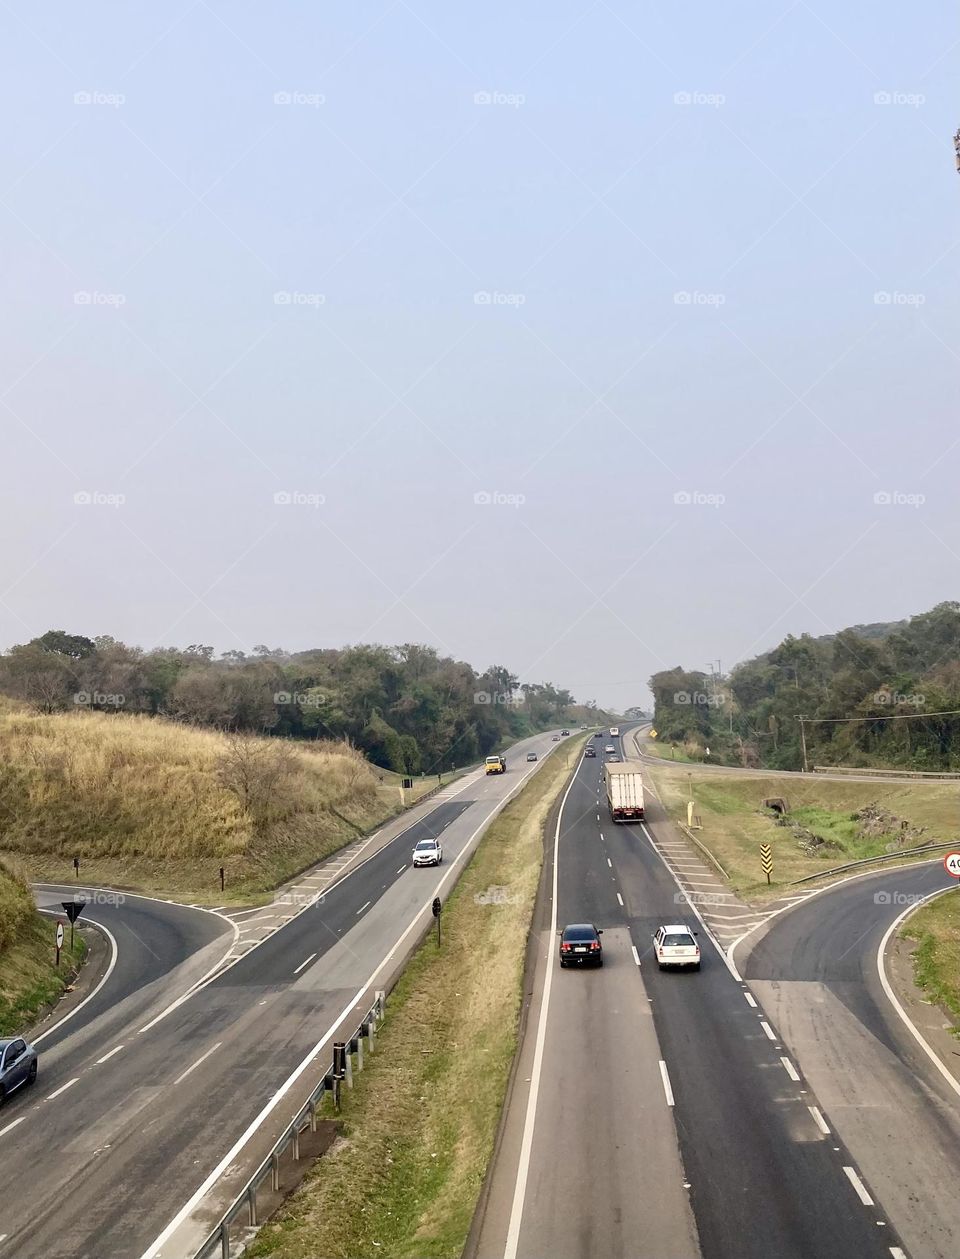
column 819, row 1120
column 12, row 1125
column 363, row 907
column 767, row 1030
column 116, row 1049
column 859, row 1186
column 402, row 868
column 601, row 834
column 620, row 899
column 665, row 1077
column 790, row 1069
column 636, row 955
column 897, row 1253
column 609, row 863
column 750, row 999
column 63, row 1088
column 196, row 1064
column 306, row 963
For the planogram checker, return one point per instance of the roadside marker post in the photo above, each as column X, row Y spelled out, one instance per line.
column 437, row 907
column 766, row 860
column 951, row 863
column 59, row 941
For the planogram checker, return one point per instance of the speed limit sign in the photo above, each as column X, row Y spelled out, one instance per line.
column 951, row 863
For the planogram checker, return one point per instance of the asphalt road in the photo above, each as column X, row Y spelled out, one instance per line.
column 128, row 1118
column 730, row 1163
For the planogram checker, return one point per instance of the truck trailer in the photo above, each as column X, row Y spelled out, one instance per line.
column 624, row 792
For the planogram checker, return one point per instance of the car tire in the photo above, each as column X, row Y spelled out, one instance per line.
column 599, row 961
column 2, row 1097
column 563, row 966
column 31, row 1077
column 661, row 965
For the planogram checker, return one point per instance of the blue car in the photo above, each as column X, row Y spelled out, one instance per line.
column 18, row 1065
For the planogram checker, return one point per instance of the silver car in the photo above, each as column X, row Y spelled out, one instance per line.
column 18, row 1065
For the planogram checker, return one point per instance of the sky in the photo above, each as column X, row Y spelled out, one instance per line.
column 586, row 339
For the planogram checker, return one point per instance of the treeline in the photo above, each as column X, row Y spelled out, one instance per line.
column 874, row 695
column 408, row 708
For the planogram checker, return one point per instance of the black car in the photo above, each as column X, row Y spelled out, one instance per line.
column 598, row 735
column 579, row 943
column 590, row 750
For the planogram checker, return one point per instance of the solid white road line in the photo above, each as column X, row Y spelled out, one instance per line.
column 526, row 1144
column 63, row 1088
column 768, row 1030
column 35, row 1040
column 196, row 1064
column 819, row 1120
column 12, row 1125
column 306, row 963
column 751, row 1001
column 665, row 1077
column 363, row 907
column 859, row 1186
column 636, row 955
column 116, row 1049
column 620, row 899
column 790, row 1069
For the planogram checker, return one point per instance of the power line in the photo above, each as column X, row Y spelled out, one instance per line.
column 949, row 712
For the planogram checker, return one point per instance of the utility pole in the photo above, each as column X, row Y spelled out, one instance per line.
column 803, row 740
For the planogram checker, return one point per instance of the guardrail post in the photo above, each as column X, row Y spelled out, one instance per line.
column 381, row 1005
column 360, row 1053
column 296, row 1143
column 275, row 1172
column 336, row 1095
column 224, row 1240
column 252, row 1205
column 371, row 1032
column 348, row 1073
column 313, row 1116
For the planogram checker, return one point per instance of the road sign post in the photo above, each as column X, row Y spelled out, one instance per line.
column 951, row 863
column 437, row 907
column 766, row 860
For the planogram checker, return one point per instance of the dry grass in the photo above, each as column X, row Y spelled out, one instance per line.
column 420, row 1125
column 936, row 961
column 735, row 824
column 140, row 801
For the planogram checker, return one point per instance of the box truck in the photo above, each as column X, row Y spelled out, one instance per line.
column 624, row 792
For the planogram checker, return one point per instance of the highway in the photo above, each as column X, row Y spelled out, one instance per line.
column 660, row 1114
column 132, row 1112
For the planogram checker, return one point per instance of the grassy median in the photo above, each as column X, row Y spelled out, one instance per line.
column 936, row 961
column 403, row 1181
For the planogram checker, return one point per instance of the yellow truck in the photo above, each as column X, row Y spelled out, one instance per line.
column 496, row 765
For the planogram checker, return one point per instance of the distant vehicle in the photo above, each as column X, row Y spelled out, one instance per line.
column 556, row 738
column 531, row 756
column 428, row 852
column 598, row 735
column 624, row 792
column 590, row 750
column 18, row 1066
column 563, row 732
column 579, row 943
column 614, row 732
column 676, row 946
column 609, row 748
column 495, row 765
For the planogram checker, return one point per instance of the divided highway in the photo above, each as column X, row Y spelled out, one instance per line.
column 131, row 1114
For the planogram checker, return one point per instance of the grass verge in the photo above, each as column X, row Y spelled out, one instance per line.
column 735, row 822
column 404, row 1179
column 936, row 960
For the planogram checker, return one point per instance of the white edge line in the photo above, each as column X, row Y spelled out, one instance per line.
column 819, row 1120
column 526, row 1144
column 892, row 997
column 859, row 1186
column 751, row 999
column 791, row 1070
column 767, row 1030
column 636, row 955
column 153, row 1251
column 193, row 1066
column 114, row 952
column 897, row 1253
column 665, row 1077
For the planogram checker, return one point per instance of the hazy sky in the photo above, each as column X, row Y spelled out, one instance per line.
column 382, row 258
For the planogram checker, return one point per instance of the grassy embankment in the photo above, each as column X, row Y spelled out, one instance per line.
column 735, row 823
column 158, row 807
column 29, row 980
column 404, row 1179
column 936, row 961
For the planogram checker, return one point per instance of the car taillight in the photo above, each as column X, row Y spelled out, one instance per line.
column 565, row 946
column 594, row 944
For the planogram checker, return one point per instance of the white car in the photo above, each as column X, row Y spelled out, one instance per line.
column 676, row 946
column 610, row 748
column 427, row 853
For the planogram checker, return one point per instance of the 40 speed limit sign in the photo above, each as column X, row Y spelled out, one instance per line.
column 951, row 863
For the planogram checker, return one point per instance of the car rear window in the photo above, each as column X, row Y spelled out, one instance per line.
column 677, row 941
column 427, row 843
column 579, row 933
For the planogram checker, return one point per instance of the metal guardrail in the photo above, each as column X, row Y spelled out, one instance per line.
column 866, row 861
column 868, row 772
column 217, row 1242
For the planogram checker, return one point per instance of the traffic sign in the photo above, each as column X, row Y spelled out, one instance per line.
column 73, row 909
column 951, row 863
column 59, row 935
column 766, row 860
